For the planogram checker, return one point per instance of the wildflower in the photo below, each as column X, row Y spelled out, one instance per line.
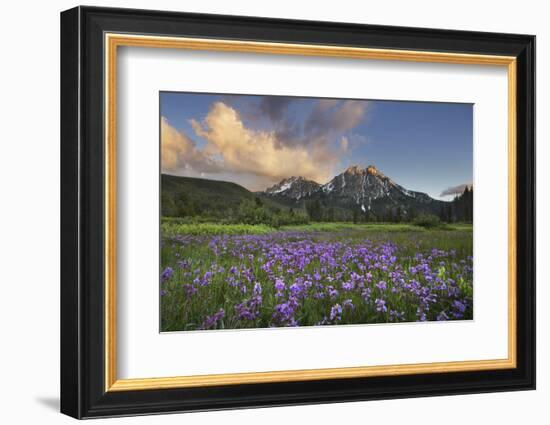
column 348, row 304
column 167, row 274
column 336, row 313
column 250, row 309
column 294, row 270
column 183, row 264
column 380, row 305
column 279, row 285
column 457, row 305
column 332, row 293
column 458, row 309
column 295, row 289
column 365, row 294
column 347, row 286
column 396, row 315
column 189, row 290
column 257, row 289
column 211, row 321
column 420, row 314
column 284, row 313
column 381, row 285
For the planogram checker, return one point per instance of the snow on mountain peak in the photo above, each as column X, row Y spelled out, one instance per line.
column 365, row 188
column 294, row 187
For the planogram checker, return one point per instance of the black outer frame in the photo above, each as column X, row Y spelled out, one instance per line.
column 82, row 206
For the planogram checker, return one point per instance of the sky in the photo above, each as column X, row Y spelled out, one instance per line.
column 256, row 141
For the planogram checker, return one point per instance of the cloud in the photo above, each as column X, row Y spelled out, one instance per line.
column 344, row 144
column 348, row 115
column 326, row 121
column 355, row 140
column 325, row 104
column 276, row 110
column 179, row 152
column 455, row 190
column 259, row 152
column 332, row 117
column 275, row 107
column 243, row 149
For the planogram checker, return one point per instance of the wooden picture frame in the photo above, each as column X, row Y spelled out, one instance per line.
column 90, row 38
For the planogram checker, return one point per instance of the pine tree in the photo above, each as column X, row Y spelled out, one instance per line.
column 398, row 214
column 330, row 214
column 412, row 214
column 389, row 215
column 449, row 213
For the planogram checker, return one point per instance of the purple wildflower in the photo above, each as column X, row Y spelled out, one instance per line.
column 279, row 285
column 211, row 321
column 380, row 305
column 166, row 274
column 348, row 304
column 382, row 285
column 336, row 313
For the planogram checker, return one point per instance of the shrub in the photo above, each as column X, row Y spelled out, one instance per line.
column 252, row 212
column 428, row 221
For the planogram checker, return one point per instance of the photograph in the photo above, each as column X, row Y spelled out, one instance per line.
column 282, row 211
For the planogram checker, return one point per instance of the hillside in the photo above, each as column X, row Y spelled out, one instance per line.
column 189, row 196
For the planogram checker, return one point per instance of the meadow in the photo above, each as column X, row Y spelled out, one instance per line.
column 233, row 276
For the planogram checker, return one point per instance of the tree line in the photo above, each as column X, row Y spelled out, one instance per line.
column 256, row 211
column 460, row 209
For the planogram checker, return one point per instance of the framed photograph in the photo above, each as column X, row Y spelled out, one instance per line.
column 261, row 212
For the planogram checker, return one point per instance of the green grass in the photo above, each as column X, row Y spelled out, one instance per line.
column 372, row 227
column 171, row 227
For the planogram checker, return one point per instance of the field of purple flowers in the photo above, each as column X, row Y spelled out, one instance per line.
column 305, row 278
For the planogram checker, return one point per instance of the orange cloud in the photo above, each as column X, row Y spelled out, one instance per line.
column 257, row 158
column 244, row 150
column 179, row 152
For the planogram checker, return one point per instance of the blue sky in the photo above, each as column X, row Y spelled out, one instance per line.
column 258, row 140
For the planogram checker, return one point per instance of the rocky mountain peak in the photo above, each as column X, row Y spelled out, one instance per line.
column 294, row 187
column 356, row 188
column 354, row 170
column 371, row 169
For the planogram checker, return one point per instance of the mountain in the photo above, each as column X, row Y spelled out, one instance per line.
column 294, row 188
column 356, row 190
column 189, row 196
column 356, row 194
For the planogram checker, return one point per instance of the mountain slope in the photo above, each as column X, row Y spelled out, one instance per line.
column 292, row 189
column 357, row 190
column 188, row 196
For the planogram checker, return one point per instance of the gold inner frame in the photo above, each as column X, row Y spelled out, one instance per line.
column 113, row 41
